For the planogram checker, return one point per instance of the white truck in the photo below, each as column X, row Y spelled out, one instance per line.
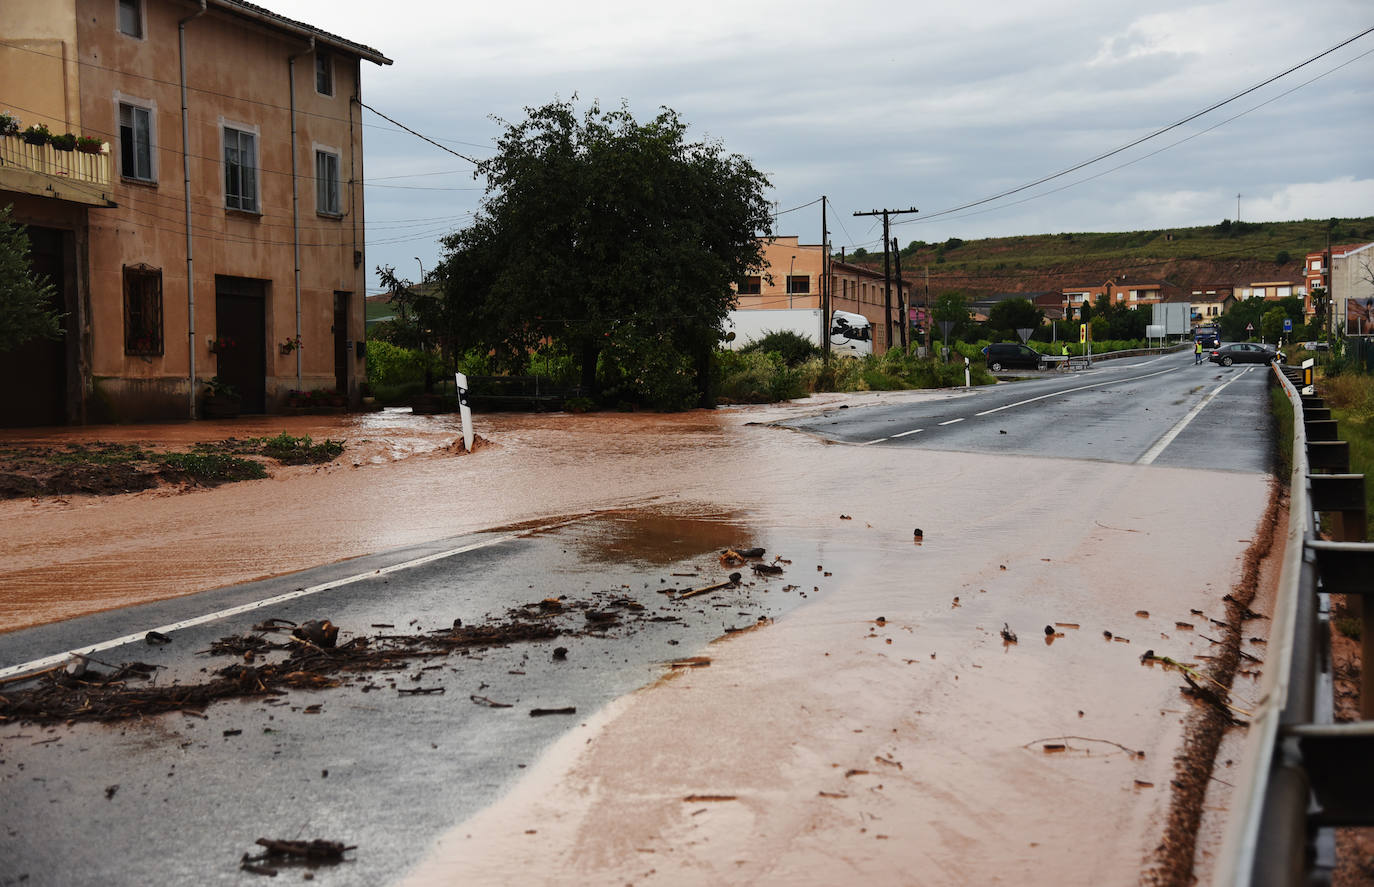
column 850, row 334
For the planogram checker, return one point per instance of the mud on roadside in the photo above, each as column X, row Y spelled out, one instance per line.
column 102, row 468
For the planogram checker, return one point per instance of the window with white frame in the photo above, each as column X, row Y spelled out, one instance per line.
column 324, row 73
column 136, row 142
column 131, row 18
column 240, row 170
column 327, row 189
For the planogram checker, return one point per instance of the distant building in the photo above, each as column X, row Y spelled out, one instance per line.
column 792, row 278
column 223, row 241
column 1347, row 274
column 1210, row 303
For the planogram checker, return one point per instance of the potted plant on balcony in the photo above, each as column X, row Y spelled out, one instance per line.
column 9, row 124
column 220, row 400
column 64, row 142
column 37, row 135
column 89, row 145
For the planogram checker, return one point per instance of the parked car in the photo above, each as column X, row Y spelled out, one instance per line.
column 1008, row 355
column 1244, row 352
column 1316, row 346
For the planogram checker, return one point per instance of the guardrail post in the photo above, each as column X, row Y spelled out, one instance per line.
column 1320, row 429
column 1329, row 455
column 1346, row 568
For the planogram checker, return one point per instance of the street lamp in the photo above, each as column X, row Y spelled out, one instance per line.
column 422, row 269
column 790, row 266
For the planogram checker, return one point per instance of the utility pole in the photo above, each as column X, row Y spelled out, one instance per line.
column 825, row 285
column 887, row 274
column 903, row 314
column 929, row 317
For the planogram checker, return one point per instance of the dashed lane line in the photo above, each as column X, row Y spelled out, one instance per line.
column 952, row 421
column 1021, row 403
column 1160, row 445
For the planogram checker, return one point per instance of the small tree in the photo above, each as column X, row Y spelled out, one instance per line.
column 1013, row 314
column 26, row 311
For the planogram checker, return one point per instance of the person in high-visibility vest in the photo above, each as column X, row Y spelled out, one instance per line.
column 1197, row 352
column 1066, row 355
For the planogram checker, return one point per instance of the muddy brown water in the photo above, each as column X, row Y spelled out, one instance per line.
column 945, row 721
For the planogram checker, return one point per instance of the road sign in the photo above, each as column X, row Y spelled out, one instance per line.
column 1288, row 324
column 1249, row 327
column 1082, row 332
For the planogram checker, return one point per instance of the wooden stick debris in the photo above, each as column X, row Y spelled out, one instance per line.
column 727, row 583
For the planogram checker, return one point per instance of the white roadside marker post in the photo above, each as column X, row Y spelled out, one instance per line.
column 464, row 411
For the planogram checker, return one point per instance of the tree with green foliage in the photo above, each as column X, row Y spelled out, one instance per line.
column 616, row 238
column 1014, row 314
column 952, row 307
column 1271, row 324
column 26, row 311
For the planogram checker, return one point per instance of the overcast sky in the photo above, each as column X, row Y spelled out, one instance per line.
column 890, row 104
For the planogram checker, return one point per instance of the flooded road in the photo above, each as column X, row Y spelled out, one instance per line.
column 885, row 730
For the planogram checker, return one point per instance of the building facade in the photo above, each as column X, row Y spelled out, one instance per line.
column 1347, row 275
column 223, row 240
column 792, row 277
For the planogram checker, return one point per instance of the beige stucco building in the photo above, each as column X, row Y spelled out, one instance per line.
column 223, row 240
column 792, row 277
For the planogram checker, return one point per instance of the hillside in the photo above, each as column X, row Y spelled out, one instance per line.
column 1193, row 258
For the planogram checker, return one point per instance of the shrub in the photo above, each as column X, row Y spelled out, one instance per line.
column 793, row 348
column 390, row 365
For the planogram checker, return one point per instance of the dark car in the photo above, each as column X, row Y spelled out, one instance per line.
column 1007, row 355
column 1243, row 352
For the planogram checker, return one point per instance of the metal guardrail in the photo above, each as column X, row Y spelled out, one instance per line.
column 1302, row 775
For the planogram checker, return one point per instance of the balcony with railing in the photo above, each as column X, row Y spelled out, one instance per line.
column 45, row 171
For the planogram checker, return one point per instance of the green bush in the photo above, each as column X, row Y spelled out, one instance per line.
column 390, row 365
column 794, row 349
column 212, row 468
column 640, row 368
column 290, row 450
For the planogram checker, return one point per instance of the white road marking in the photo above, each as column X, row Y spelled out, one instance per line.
column 912, row 431
column 1021, row 403
column 1154, row 452
column 951, row 421
column 58, row 658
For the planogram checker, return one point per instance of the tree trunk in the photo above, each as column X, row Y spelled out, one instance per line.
column 705, row 390
column 590, row 350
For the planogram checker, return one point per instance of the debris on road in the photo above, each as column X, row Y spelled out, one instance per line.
column 730, row 582
column 322, row 633
column 316, row 852
column 541, row 712
column 156, row 637
column 1007, row 634
column 489, row 703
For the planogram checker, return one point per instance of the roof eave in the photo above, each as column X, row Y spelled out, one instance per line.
column 300, row 29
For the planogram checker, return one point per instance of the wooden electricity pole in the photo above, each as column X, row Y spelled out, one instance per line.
column 887, row 273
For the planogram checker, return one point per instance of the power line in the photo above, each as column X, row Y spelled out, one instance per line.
column 1167, row 147
column 419, row 135
column 1191, row 117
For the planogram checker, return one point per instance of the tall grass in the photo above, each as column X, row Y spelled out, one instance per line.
column 1351, row 398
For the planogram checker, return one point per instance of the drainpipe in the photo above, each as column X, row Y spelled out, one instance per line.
column 295, row 196
column 186, row 188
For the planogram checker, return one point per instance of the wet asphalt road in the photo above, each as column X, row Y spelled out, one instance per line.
column 177, row 798
column 1128, row 410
